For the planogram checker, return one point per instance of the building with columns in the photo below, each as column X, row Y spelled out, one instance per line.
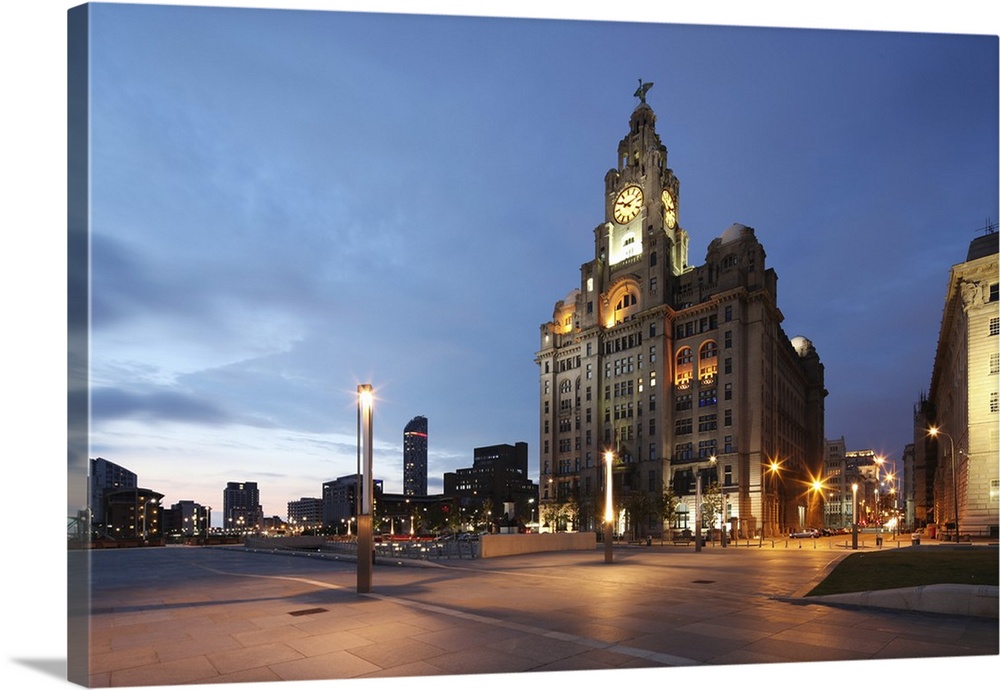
column 962, row 402
column 683, row 373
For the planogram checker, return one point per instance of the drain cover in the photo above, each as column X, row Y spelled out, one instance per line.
column 305, row 612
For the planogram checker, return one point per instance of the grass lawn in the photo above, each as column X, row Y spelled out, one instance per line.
column 861, row 572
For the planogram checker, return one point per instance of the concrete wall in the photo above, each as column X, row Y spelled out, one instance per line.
column 298, row 542
column 495, row 545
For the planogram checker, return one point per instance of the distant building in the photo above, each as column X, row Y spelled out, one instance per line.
column 415, row 457
column 340, row 503
column 132, row 514
column 838, row 503
column 106, row 476
column 186, row 519
column 679, row 371
column 878, row 493
column 274, row 525
column 306, row 513
column 498, row 478
column 907, row 503
column 960, row 465
column 241, row 509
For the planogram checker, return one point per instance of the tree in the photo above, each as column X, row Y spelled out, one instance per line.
column 638, row 505
column 485, row 516
column 711, row 505
column 666, row 507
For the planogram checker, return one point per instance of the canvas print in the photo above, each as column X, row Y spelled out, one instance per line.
column 415, row 346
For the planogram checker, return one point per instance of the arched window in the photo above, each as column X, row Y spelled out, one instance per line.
column 627, row 300
column 626, row 306
column 708, row 361
column 684, row 370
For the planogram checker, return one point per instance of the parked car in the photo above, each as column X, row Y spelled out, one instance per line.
column 808, row 533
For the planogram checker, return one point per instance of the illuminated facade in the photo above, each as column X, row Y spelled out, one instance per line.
column 682, row 371
column 415, row 457
column 241, row 510
column 963, row 401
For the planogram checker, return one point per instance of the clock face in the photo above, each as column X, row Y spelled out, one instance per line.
column 669, row 209
column 628, row 204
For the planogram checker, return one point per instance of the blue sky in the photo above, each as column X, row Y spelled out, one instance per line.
column 877, row 153
column 289, row 203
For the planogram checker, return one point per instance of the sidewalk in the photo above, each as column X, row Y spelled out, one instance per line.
column 195, row 615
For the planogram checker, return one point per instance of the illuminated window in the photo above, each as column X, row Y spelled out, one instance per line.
column 685, row 367
column 627, row 300
column 708, row 362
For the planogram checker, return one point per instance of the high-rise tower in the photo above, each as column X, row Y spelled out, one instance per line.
column 415, row 457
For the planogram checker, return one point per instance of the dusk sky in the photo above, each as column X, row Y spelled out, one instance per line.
column 286, row 204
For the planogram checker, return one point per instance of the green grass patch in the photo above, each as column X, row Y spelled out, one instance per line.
column 861, row 572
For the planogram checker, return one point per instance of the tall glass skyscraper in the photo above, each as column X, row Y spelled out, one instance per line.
column 415, row 457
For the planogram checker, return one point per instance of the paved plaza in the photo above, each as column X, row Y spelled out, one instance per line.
column 178, row 615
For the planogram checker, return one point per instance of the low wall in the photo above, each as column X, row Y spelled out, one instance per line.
column 299, row 542
column 495, row 545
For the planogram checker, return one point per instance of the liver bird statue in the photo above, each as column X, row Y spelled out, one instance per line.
column 640, row 93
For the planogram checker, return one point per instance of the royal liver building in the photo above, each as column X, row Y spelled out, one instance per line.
column 679, row 371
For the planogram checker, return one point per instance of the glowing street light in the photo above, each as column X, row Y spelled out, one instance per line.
column 609, row 508
column 878, row 522
column 774, row 467
column 365, row 488
column 854, row 517
column 935, row 432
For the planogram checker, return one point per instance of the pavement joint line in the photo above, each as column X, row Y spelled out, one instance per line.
column 666, row 659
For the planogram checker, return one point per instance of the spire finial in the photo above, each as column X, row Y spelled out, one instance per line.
column 640, row 93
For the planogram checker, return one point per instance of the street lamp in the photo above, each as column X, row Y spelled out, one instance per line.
column 934, row 431
column 773, row 468
column 878, row 517
column 854, row 517
column 365, row 490
column 722, row 493
column 609, row 509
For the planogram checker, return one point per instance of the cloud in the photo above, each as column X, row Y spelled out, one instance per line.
column 108, row 404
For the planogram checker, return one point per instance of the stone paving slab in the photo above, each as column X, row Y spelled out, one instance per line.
column 229, row 616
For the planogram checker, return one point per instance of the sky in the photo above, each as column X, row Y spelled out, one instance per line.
column 258, row 188
column 286, row 204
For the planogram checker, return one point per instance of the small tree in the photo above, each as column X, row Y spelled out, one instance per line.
column 666, row 507
column 548, row 514
column 638, row 505
column 711, row 505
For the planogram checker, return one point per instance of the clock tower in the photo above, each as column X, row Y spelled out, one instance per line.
column 603, row 356
column 682, row 374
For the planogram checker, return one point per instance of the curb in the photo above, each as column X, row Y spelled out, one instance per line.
column 980, row 601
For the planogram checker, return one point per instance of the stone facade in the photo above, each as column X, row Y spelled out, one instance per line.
column 963, row 397
column 681, row 372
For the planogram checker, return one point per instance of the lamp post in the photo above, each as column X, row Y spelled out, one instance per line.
column 771, row 468
column 366, row 552
column 697, row 513
column 934, row 431
column 722, row 517
column 878, row 511
column 609, row 508
column 854, row 517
